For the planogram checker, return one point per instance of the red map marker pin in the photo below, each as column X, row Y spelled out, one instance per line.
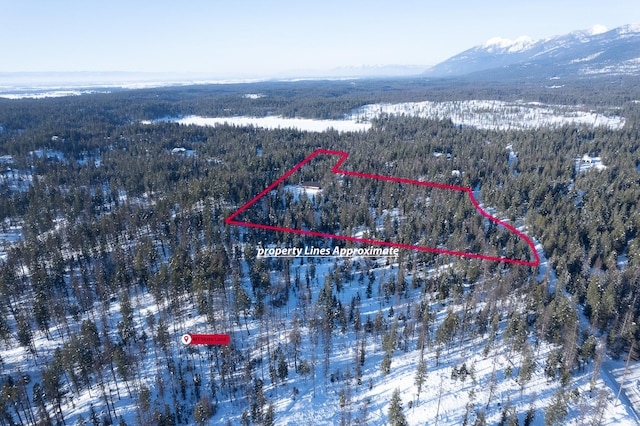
column 206, row 339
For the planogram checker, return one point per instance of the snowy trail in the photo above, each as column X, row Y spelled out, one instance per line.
column 611, row 381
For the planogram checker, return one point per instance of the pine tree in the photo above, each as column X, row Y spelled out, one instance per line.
column 203, row 410
column 396, row 415
column 25, row 336
column 41, row 312
column 283, row 370
column 385, row 366
column 526, row 370
column 123, row 366
column 269, row 416
column 448, row 328
column 126, row 328
column 555, row 413
column 52, row 384
column 421, row 375
column 295, row 338
column 39, row 401
column 531, row 413
column 480, row 419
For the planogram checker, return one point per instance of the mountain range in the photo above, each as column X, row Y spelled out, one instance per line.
column 592, row 52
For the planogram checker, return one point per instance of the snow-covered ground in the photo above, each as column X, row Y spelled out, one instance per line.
column 183, row 151
column 49, row 154
column 630, row 66
column 315, row 398
column 48, row 94
column 482, row 114
column 47, row 85
column 277, row 122
column 586, row 163
column 298, row 190
column 10, row 233
column 16, row 179
column 493, row 114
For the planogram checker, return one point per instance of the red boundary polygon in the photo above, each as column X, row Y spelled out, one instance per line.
column 231, row 219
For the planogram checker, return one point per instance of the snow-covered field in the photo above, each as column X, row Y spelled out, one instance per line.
column 482, row 114
column 41, row 94
column 277, row 122
column 496, row 115
column 43, row 85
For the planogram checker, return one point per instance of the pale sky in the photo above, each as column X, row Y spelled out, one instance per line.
column 264, row 38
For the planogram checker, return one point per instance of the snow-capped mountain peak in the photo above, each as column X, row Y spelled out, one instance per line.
column 628, row 29
column 594, row 51
column 505, row 45
column 597, row 29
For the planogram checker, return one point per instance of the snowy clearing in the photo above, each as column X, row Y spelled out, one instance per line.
column 494, row 115
column 48, row 94
column 277, row 122
column 481, row 114
column 586, row 163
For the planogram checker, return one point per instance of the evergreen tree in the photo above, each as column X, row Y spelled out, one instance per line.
column 528, row 419
column 385, row 365
column 526, row 370
column 25, row 336
column 396, row 415
column 421, row 376
column 480, row 419
column 203, row 410
column 556, row 412
column 126, row 327
column 283, row 370
column 269, row 416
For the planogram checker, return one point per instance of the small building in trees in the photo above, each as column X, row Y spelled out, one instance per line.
column 310, row 186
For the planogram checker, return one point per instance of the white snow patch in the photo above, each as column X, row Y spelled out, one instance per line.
column 183, row 151
column 440, row 154
column 482, row 114
column 629, row 29
column 622, row 261
column 494, row 115
column 597, row 29
column 49, row 154
column 298, row 190
column 587, row 58
column 630, row 66
column 586, row 163
column 277, row 122
column 10, row 233
column 48, row 94
column 506, row 45
column 513, row 156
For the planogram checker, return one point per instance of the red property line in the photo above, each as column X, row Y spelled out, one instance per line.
column 231, row 219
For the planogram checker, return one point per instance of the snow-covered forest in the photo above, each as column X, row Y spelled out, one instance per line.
column 113, row 245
